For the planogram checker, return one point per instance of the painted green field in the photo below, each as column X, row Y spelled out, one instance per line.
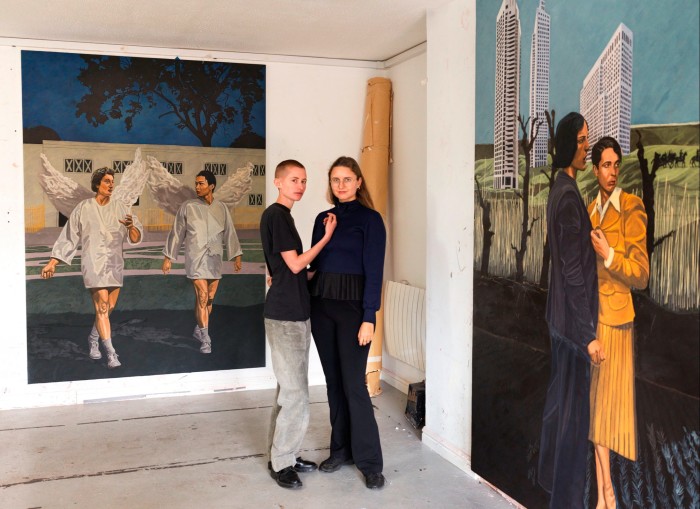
column 674, row 264
column 630, row 179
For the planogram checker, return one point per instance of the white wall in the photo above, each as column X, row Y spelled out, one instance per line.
column 314, row 114
column 450, row 213
column 407, row 176
column 407, row 190
column 13, row 338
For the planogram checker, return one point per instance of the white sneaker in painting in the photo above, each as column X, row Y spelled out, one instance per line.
column 206, row 344
column 94, row 349
column 112, row 360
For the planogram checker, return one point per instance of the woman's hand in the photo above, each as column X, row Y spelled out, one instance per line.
column 330, row 222
column 49, row 269
column 366, row 333
column 128, row 221
column 133, row 232
column 600, row 243
column 596, row 352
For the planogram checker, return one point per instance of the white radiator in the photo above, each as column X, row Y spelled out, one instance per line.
column 404, row 323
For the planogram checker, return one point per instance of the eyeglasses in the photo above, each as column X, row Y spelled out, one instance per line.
column 346, row 180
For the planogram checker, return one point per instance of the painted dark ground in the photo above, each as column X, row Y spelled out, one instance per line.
column 512, row 363
column 149, row 341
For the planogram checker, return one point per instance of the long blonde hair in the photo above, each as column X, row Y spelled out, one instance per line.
column 362, row 194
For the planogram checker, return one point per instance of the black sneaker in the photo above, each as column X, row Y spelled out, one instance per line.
column 374, row 480
column 286, row 478
column 303, row 465
column 332, row 464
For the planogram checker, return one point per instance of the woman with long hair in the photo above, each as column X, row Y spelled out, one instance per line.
column 345, row 296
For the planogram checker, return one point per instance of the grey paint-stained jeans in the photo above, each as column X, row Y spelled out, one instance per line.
column 289, row 348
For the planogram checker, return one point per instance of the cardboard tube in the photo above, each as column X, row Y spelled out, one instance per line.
column 374, row 161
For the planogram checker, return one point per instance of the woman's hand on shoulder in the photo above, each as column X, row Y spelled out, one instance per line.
column 330, row 222
column 366, row 333
column 600, row 243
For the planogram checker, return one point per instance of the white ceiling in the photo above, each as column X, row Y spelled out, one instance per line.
column 374, row 30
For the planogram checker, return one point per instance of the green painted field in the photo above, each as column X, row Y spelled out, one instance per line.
column 687, row 177
column 674, row 267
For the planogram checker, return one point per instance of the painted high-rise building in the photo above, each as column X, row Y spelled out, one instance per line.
column 505, row 124
column 539, row 84
column 606, row 95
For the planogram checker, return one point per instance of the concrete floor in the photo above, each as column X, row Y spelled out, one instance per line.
column 209, row 451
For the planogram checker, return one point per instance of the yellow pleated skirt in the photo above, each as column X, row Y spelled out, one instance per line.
column 613, row 419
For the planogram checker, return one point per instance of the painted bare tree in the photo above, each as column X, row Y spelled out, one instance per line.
column 531, row 126
column 544, row 273
column 486, row 227
column 648, row 178
column 201, row 97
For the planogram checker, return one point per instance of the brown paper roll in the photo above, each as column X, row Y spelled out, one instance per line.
column 374, row 161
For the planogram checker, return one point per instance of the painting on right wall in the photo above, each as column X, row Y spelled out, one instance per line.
column 631, row 69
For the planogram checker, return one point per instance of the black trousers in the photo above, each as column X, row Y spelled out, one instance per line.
column 354, row 432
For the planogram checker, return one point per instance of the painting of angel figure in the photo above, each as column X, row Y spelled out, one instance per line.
column 144, row 185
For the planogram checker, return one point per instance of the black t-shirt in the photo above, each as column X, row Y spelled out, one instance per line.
column 288, row 297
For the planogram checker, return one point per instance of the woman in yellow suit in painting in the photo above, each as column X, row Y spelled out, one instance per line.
column 619, row 239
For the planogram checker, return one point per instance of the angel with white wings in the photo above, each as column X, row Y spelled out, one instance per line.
column 98, row 221
column 204, row 224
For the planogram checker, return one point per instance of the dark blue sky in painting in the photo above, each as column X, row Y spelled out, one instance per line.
column 51, row 93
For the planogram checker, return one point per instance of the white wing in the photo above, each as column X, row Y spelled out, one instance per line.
column 64, row 192
column 167, row 191
column 132, row 182
column 236, row 186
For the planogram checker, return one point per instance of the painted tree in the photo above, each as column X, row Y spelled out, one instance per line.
column 201, row 97
column 648, row 178
column 486, row 227
column 544, row 273
column 526, row 229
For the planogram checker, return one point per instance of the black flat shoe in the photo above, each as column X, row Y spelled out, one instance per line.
column 286, row 478
column 332, row 464
column 374, row 480
column 303, row 465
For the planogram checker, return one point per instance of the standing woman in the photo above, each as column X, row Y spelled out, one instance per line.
column 345, row 296
column 619, row 239
column 99, row 226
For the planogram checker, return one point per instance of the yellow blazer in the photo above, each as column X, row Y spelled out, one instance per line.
column 626, row 232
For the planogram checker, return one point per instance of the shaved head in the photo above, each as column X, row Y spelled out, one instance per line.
column 285, row 165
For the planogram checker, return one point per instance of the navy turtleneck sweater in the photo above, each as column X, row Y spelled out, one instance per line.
column 352, row 262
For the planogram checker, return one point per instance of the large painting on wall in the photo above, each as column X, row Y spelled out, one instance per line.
column 632, row 71
column 144, row 186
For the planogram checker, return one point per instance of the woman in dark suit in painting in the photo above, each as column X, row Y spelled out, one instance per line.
column 572, row 316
